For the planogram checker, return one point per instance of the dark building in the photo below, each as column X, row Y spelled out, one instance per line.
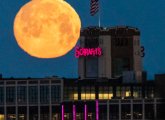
column 160, row 85
column 31, row 99
column 117, row 100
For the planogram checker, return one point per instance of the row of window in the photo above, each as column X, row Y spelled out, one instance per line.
column 21, row 113
column 121, row 42
column 70, row 93
column 123, row 111
column 137, row 112
column 88, row 93
column 33, row 94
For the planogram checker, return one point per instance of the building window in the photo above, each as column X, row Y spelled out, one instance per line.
column 149, row 112
column 91, row 67
column 75, row 97
column 21, row 94
column 121, row 41
column 126, row 92
column 44, row 94
column 137, row 92
column 88, row 93
column 92, row 42
column 120, row 65
column 10, row 113
column 126, row 111
column 105, row 92
column 55, row 93
column 1, row 95
column 137, row 111
column 10, row 95
column 114, row 112
column 149, row 92
column 33, row 94
column 123, row 92
column 70, row 93
column 118, row 91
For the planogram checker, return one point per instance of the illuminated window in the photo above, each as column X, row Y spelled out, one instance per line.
column 88, row 96
column 105, row 96
column 70, row 93
column 105, row 92
column 88, row 93
column 83, row 96
column 92, row 96
column 75, row 96
column 2, row 117
column 126, row 92
column 137, row 92
column 149, row 92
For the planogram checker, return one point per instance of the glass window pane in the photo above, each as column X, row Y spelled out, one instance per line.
column 56, row 93
column 33, row 94
column 1, row 95
column 10, row 94
column 44, row 94
column 21, row 94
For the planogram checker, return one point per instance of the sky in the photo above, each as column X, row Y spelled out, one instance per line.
column 147, row 15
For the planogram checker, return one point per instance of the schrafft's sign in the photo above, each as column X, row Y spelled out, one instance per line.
column 84, row 52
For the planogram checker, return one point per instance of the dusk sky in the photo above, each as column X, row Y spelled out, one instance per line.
column 147, row 15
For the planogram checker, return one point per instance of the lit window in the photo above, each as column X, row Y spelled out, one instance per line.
column 70, row 93
column 100, row 96
column 75, row 96
column 92, row 96
column 88, row 93
column 105, row 93
column 137, row 92
column 83, row 96
column 126, row 92
column 2, row 117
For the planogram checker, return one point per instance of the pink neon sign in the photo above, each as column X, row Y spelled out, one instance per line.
column 84, row 52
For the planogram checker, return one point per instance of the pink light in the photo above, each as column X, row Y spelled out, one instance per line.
column 62, row 112
column 85, row 116
column 74, row 112
column 97, row 110
column 79, row 52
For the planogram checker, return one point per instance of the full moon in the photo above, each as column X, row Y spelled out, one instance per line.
column 47, row 28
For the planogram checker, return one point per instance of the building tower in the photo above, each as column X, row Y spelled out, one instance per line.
column 120, row 53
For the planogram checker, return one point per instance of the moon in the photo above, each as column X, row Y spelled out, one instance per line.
column 47, row 28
